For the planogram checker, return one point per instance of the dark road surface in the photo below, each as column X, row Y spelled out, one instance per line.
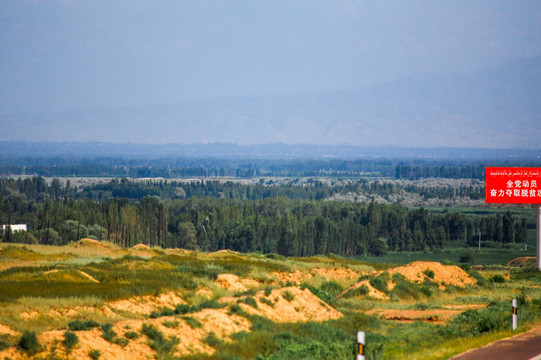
column 526, row 346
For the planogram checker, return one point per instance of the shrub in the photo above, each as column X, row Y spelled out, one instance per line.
column 194, row 323
column 110, row 335
column 359, row 291
column 466, row 256
column 328, row 298
column 107, row 332
column 481, row 281
column 249, row 300
column 151, row 332
column 157, row 341
column 132, row 335
column 70, row 340
column 82, row 325
column 407, row 290
column 4, row 342
column 29, row 343
column 170, row 324
column 288, row 295
column 429, row 273
column 474, row 322
column 275, row 256
column 235, row 309
column 381, row 282
column 529, row 273
column 426, row 291
column 94, row 354
column 264, row 300
column 213, row 340
column 497, row 279
column 268, row 290
column 331, row 287
column 183, row 309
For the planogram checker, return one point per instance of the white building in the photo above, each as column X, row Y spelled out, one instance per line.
column 15, row 227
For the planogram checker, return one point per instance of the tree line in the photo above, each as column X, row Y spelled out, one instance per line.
column 290, row 227
column 171, row 168
column 37, row 189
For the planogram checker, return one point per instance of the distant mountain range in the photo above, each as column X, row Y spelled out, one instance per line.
column 496, row 108
column 72, row 152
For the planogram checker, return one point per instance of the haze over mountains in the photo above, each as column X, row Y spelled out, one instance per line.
column 496, row 108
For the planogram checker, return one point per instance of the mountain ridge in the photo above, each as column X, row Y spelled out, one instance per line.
column 494, row 108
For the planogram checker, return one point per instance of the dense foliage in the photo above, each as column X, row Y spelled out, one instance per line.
column 170, row 168
column 271, row 219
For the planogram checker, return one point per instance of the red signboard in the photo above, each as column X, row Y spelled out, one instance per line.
column 512, row 185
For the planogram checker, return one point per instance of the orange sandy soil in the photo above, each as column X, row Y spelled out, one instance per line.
column 216, row 321
column 302, row 306
column 523, row 261
column 372, row 291
column 433, row 316
column 233, row 283
column 297, row 276
column 443, row 274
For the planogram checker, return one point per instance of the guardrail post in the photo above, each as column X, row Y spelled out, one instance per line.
column 514, row 314
column 360, row 343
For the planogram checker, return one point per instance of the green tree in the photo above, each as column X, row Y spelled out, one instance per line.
column 187, row 236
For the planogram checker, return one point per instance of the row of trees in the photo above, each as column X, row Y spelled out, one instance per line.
column 282, row 225
column 415, row 172
column 37, row 189
column 247, row 168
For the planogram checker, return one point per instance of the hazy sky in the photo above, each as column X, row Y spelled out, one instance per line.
column 71, row 54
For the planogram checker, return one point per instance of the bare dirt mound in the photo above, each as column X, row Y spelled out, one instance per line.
column 217, row 322
column 290, row 304
column 68, row 313
column 144, row 305
column 64, row 275
column 523, row 261
column 6, row 330
column 297, row 276
column 143, row 250
column 91, row 243
column 20, row 253
column 433, row 316
column 444, row 275
column 233, row 283
column 372, row 291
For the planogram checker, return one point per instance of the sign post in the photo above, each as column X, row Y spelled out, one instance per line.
column 539, row 237
column 360, row 344
column 508, row 185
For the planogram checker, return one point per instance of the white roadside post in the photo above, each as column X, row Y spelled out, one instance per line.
column 514, row 314
column 360, row 343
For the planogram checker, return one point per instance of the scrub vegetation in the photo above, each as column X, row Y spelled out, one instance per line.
column 170, row 303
